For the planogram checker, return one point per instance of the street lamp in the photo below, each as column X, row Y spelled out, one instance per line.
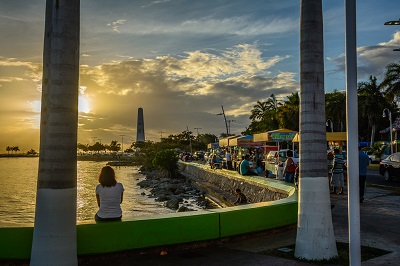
column 331, row 123
column 393, row 22
column 390, row 127
column 122, row 142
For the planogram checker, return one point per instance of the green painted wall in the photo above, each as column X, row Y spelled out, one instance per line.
column 16, row 242
column 152, row 232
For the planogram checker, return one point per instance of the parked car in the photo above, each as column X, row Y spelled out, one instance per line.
column 199, row 155
column 372, row 158
column 390, row 167
column 271, row 164
column 272, row 156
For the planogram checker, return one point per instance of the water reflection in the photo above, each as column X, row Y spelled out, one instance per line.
column 18, row 191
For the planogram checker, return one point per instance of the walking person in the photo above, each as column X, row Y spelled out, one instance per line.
column 363, row 162
column 337, row 173
column 228, row 157
column 290, row 167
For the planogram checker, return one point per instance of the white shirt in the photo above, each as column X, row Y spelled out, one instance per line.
column 110, row 201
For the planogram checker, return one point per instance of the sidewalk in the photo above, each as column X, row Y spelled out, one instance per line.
column 380, row 217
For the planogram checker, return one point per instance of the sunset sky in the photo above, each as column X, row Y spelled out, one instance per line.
column 178, row 60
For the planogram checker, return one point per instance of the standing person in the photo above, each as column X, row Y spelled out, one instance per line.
column 241, row 197
column 290, row 167
column 228, row 157
column 245, row 168
column 337, row 173
column 363, row 162
column 109, row 195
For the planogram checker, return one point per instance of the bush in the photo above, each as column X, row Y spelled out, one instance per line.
column 166, row 160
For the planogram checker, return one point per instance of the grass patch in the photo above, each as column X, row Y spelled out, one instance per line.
column 367, row 253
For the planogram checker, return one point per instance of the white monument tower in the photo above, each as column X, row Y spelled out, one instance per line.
column 140, row 126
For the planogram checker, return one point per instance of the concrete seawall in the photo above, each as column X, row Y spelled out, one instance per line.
column 256, row 189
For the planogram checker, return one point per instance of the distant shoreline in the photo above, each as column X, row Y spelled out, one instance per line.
column 79, row 157
column 18, row 155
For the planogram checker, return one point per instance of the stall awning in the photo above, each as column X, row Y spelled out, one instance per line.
column 330, row 136
column 225, row 141
column 282, row 134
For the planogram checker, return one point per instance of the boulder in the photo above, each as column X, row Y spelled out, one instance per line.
column 173, row 204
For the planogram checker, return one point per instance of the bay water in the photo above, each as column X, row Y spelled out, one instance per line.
column 18, row 180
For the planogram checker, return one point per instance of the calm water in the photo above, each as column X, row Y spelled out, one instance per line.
column 18, row 177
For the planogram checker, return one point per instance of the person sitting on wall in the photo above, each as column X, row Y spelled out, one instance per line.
column 241, row 197
column 109, row 195
column 245, row 168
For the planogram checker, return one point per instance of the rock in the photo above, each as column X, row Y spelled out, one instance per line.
column 184, row 209
column 162, row 198
column 173, row 204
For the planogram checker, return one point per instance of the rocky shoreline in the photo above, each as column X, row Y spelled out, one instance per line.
column 177, row 193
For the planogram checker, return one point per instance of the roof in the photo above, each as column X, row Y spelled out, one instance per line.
column 275, row 135
column 330, row 136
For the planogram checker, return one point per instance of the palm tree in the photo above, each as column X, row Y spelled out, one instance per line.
column 15, row 149
column 371, row 103
column 289, row 112
column 258, row 111
column 54, row 235
column 391, row 83
column 315, row 238
column 335, row 108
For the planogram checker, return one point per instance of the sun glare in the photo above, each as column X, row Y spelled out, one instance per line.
column 83, row 104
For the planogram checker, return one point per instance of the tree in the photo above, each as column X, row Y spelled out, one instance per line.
column 168, row 161
column 31, row 152
column 371, row 103
column 315, row 238
column 258, row 111
column 83, row 147
column 54, row 235
column 391, row 83
column 114, row 146
column 289, row 112
column 15, row 149
column 8, row 149
column 335, row 109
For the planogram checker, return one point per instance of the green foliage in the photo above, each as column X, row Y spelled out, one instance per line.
column 378, row 150
column 166, row 160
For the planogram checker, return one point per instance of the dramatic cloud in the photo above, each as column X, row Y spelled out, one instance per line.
column 372, row 60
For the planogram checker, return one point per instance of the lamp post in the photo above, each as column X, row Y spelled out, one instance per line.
column 229, row 125
column 390, row 127
column 122, row 142
column 394, row 23
column 331, row 124
column 198, row 141
column 226, row 123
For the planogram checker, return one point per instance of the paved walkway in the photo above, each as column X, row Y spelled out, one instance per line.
column 380, row 228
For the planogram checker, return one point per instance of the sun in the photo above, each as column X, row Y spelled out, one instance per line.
column 83, row 104
column 83, row 101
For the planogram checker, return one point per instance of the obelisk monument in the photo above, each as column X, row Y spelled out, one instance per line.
column 140, row 126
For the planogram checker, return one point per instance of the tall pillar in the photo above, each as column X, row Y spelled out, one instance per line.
column 140, row 126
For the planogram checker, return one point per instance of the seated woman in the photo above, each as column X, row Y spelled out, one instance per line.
column 109, row 195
